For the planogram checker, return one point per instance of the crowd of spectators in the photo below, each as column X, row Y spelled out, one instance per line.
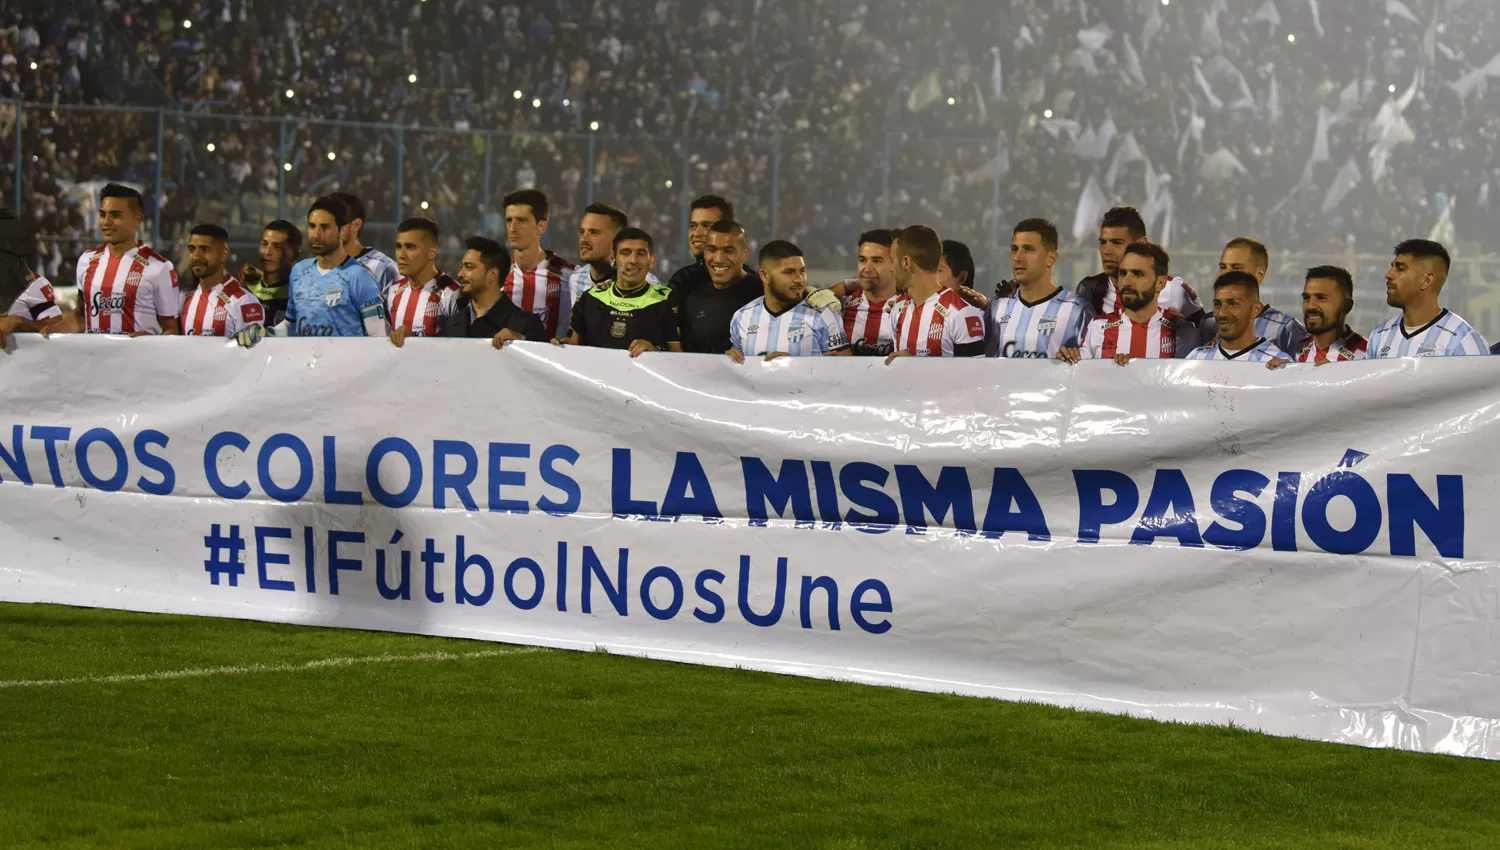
column 844, row 113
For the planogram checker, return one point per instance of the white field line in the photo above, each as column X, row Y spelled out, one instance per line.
column 246, row 669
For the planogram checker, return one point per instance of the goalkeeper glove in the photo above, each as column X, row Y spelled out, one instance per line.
column 822, row 299
column 248, row 337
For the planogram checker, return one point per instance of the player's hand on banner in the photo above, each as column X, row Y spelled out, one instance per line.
column 250, row 336
column 1070, row 355
column 1123, row 359
column 509, row 335
column 892, row 358
column 1277, row 363
column 736, row 355
column 641, row 346
column 70, row 323
column 822, row 299
column 399, row 335
column 776, row 355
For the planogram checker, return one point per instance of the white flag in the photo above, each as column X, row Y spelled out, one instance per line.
column 997, row 80
column 1095, row 37
column 1152, row 28
column 1395, row 8
column 1208, row 91
column 1221, row 165
column 924, row 93
column 1091, row 208
column 1348, row 178
column 1273, row 102
column 1267, row 12
column 1317, row 18
column 1132, row 64
column 1129, row 151
column 1444, row 231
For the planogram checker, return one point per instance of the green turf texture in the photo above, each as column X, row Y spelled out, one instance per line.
column 570, row 749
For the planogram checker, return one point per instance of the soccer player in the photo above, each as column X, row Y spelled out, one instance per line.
column 538, row 278
column 1040, row 318
column 280, row 248
column 1327, row 299
column 707, row 311
column 704, row 212
column 631, row 314
column 596, row 255
column 33, row 310
column 483, row 310
column 331, row 294
column 124, row 287
column 219, row 305
column 26, row 298
column 380, row 266
column 1422, row 328
column 864, row 299
column 424, row 297
column 1122, row 227
column 1236, row 304
column 931, row 321
column 781, row 323
column 1140, row 327
column 1244, row 254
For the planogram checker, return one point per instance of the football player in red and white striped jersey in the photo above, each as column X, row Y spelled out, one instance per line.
column 219, row 305
column 933, row 321
column 1140, row 326
column 1327, row 299
column 423, row 298
column 538, row 280
column 124, row 287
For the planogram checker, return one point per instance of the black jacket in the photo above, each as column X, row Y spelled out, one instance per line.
column 17, row 253
column 689, row 277
column 505, row 314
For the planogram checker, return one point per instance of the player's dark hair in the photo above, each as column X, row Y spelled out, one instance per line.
column 1041, row 227
column 1128, row 218
column 534, row 198
column 1255, row 247
column 491, row 253
column 1336, row 274
column 293, row 235
column 1161, row 261
column 355, row 205
column 334, row 206
column 775, row 252
column 714, row 202
column 1425, row 249
column 960, row 260
column 635, row 234
column 922, row 244
column 611, row 212
column 1244, row 279
column 212, row 231
column 418, row 222
column 117, row 190
column 728, row 225
column 879, row 236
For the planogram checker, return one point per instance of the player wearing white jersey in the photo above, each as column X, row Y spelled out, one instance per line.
column 422, row 300
column 927, row 319
column 1423, row 328
column 1327, row 299
column 380, row 266
column 1236, row 303
column 219, row 305
column 124, row 287
column 1141, row 327
column 780, row 323
column 35, row 308
column 596, row 256
column 1244, row 254
column 1040, row 318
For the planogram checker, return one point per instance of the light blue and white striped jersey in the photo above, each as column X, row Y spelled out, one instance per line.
column 803, row 331
column 1278, row 327
column 1039, row 330
column 1263, row 351
column 380, row 267
column 1446, row 336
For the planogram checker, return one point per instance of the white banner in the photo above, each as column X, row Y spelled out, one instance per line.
column 1308, row 552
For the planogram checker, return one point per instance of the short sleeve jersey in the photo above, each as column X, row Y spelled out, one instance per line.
column 332, row 302
column 607, row 317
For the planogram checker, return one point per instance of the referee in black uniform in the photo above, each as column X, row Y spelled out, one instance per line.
column 631, row 314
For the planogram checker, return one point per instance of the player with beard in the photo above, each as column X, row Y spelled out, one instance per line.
column 1422, row 328
column 864, row 299
column 380, row 266
column 1327, row 300
column 1140, row 327
column 1236, row 305
column 219, row 305
column 1041, row 318
column 596, row 255
column 424, row 297
column 483, row 310
column 931, row 321
column 280, row 247
column 1244, row 254
column 708, row 310
column 1121, row 228
column 781, row 323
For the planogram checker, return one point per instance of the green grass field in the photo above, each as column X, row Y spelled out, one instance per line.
column 275, row 738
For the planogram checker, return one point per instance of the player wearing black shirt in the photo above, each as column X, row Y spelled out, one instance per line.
column 631, row 314
column 708, row 308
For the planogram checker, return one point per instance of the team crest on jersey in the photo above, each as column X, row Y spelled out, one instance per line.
column 935, row 332
column 1046, row 326
column 617, row 330
column 796, row 333
column 333, row 295
column 432, row 307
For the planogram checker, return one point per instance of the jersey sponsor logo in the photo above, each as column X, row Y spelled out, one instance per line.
column 1109, row 326
column 975, row 325
column 306, row 328
column 47, row 292
column 753, row 329
column 102, row 303
column 837, row 340
column 252, row 313
column 941, row 310
column 1013, row 353
column 1003, row 319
